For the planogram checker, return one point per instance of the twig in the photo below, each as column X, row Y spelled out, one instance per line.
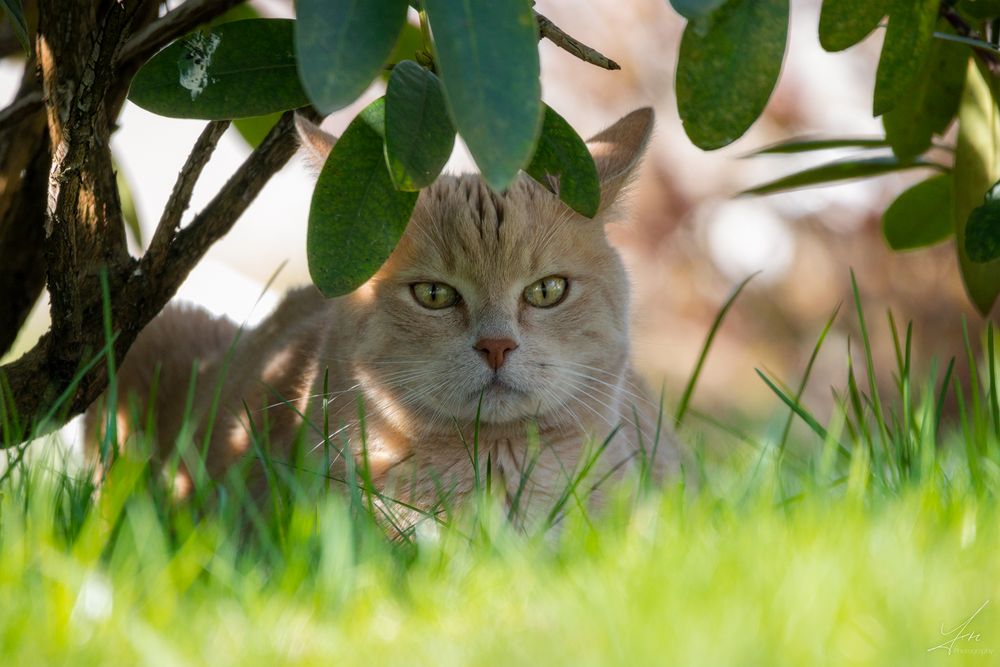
column 180, row 197
column 987, row 57
column 175, row 23
column 164, row 266
column 21, row 108
column 555, row 34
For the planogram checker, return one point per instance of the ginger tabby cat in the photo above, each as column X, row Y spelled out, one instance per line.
column 509, row 298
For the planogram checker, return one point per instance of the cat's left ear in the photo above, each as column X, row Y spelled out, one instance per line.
column 316, row 142
column 618, row 150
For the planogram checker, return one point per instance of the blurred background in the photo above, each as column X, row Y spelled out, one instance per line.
column 689, row 241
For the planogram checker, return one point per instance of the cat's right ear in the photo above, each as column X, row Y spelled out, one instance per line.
column 618, row 150
column 316, row 142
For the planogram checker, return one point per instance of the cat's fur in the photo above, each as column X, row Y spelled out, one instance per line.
column 416, row 371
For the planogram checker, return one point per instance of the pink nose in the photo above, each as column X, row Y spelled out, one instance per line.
column 495, row 350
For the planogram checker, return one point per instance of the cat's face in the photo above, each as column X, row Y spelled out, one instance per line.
column 499, row 304
column 509, row 297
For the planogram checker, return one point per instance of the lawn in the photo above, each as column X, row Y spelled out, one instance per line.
column 870, row 540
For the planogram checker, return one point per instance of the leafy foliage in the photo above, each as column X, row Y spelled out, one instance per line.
column 357, row 215
column 926, row 80
column 473, row 68
column 844, row 23
column 487, row 56
column 977, row 168
column 921, row 216
column 233, row 70
column 722, row 86
column 479, row 74
column 335, row 62
column 419, row 136
column 906, row 47
column 563, row 164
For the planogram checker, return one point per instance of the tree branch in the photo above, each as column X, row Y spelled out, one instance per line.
column 180, row 197
column 555, row 34
column 166, row 265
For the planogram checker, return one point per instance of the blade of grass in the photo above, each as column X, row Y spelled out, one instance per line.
column 803, row 414
column 782, row 443
column 706, row 346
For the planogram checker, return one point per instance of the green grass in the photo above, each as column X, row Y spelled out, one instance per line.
column 856, row 541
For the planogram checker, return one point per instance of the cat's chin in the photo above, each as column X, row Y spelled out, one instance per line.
column 502, row 402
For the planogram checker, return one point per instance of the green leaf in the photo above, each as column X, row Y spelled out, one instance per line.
column 980, row 9
column 409, row 43
column 842, row 170
column 696, row 10
column 808, row 145
column 487, row 57
column 931, row 102
column 723, row 83
column 977, row 168
column 233, row 70
column 982, row 233
column 844, row 23
column 342, row 45
column 356, row 216
column 563, row 164
column 419, row 136
column 921, row 216
column 255, row 128
column 15, row 11
column 906, row 47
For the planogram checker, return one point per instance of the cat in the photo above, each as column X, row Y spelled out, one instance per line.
column 497, row 329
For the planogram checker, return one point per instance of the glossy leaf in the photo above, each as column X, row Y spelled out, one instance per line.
column 356, row 216
column 842, row 170
column 929, row 106
column 487, row 58
column 921, row 216
column 982, row 232
column 255, row 128
column 977, row 168
column 15, row 11
column 907, row 46
column 419, row 136
column 808, row 145
column 563, row 164
column 233, row 70
column 342, row 45
column 722, row 85
column 844, row 23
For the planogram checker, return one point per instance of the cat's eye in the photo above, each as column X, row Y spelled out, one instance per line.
column 546, row 292
column 435, row 295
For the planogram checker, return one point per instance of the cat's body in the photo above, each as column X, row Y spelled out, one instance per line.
column 443, row 352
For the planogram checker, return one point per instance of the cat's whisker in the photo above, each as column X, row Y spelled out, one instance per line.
column 590, row 407
column 625, row 382
column 307, row 397
column 611, row 386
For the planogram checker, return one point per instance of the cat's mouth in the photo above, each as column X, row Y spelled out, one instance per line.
column 498, row 387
